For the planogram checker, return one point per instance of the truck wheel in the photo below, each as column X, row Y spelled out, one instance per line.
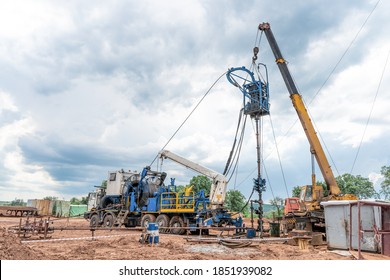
column 146, row 219
column 162, row 221
column 175, row 225
column 94, row 221
column 108, row 221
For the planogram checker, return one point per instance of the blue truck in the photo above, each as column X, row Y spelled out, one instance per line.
column 134, row 199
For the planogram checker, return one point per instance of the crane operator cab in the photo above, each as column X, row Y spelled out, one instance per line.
column 309, row 199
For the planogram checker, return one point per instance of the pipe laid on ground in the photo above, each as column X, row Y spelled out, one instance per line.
column 205, row 239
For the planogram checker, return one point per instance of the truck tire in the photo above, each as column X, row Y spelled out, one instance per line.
column 146, row 219
column 108, row 221
column 94, row 221
column 162, row 221
column 175, row 225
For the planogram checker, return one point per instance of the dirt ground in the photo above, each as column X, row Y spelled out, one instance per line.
column 125, row 245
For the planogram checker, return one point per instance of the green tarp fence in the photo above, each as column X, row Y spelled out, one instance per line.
column 77, row 210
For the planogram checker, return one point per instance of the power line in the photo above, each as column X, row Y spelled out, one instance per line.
column 372, row 108
column 345, row 52
column 280, row 161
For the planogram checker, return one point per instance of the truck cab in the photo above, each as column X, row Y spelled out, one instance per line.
column 291, row 205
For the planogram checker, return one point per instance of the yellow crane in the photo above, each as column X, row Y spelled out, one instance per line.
column 311, row 195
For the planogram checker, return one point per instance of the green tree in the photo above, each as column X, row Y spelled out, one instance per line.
column 278, row 203
column 350, row 184
column 180, row 188
column 75, row 201
column 18, row 202
column 357, row 185
column 296, row 191
column 324, row 187
column 385, row 185
column 201, row 182
column 84, row 200
column 235, row 201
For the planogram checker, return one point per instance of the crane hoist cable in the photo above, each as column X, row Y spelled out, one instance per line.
column 269, row 181
column 280, row 161
column 372, row 108
column 189, row 115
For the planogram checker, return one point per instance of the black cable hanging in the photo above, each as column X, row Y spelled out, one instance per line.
column 227, row 166
column 189, row 115
column 238, row 151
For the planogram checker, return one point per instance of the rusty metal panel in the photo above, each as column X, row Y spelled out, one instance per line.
column 43, row 206
column 370, row 218
column 386, row 227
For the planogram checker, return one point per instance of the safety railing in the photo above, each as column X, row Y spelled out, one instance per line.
column 176, row 202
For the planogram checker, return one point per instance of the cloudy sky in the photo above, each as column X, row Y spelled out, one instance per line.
column 92, row 86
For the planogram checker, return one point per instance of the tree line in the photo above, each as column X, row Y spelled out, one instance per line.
column 358, row 185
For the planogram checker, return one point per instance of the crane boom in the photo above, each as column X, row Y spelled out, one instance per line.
column 219, row 181
column 315, row 145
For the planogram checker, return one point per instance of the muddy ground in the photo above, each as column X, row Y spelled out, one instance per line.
column 125, row 245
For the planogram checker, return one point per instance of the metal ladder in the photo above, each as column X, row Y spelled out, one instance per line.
column 120, row 219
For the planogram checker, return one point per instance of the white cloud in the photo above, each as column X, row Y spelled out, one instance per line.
column 344, row 106
column 20, row 179
column 24, row 176
column 10, row 133
column 375, row 178
column 6, row 103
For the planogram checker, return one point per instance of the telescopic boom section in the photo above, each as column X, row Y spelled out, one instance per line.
column 219, row 181
column 303, row 115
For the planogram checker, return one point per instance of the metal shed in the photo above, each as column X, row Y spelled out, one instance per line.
column 359, row 225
